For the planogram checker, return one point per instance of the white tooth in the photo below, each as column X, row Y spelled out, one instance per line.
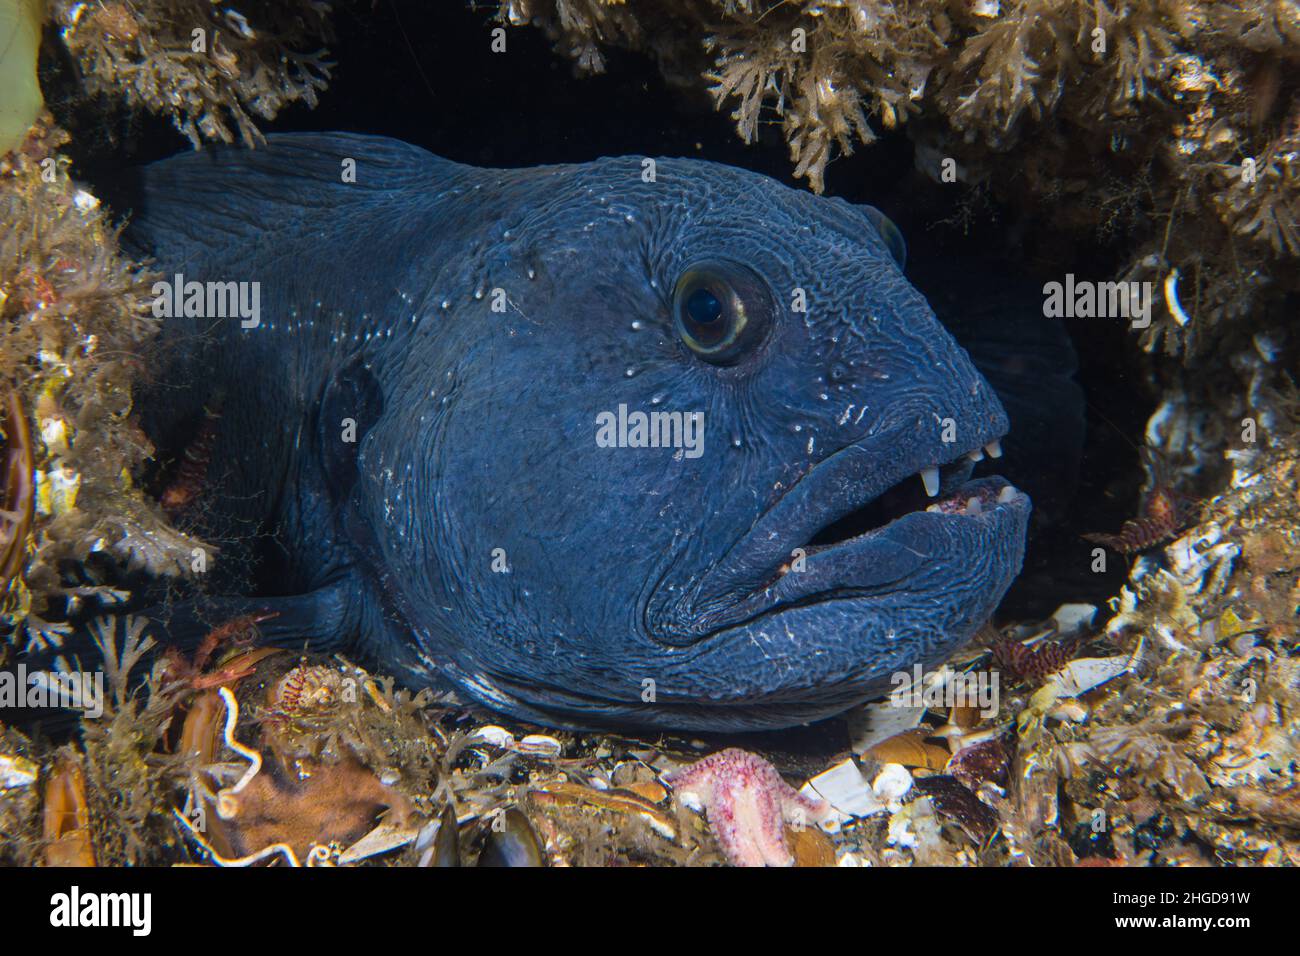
column 930, row 478
column 976, row 455
column 935, row 508
column 973, row 507
column 994, row 448
column 1006, row 494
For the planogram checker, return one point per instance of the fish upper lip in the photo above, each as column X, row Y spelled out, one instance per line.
column 833, row 488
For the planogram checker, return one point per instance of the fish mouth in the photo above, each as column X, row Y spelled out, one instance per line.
column 850, row 529
column 840, row 565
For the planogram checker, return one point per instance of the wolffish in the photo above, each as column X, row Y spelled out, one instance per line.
column 409, row 427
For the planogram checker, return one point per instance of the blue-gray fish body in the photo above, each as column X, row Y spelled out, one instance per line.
column 434, row 422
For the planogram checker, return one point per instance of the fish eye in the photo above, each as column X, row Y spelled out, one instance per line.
column 720, row 310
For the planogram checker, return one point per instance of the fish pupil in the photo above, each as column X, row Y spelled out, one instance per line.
column 720, row 309
column 703, row 307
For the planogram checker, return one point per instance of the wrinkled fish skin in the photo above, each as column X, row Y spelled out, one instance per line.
column 430, row 465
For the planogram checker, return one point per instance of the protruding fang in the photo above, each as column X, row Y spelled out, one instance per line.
column 930, row 478
column 976, row 455
column 973, row 507
column 994, row 448
column 1006, row 495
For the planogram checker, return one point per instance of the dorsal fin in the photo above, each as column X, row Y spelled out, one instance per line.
column 226, row 195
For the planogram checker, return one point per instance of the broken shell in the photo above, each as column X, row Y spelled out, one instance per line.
column 511, row 841
column 879, row 721
column 650, row 790
column 381, row 839
column 1069, row 618
column 847, row 791
column 1231, row 624
column 1086, row 673
column 201, row 731
column 17, row 494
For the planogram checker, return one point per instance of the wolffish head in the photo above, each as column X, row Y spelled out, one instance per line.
column 690, row 452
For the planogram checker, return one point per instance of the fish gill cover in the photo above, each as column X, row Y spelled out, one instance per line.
column 1164, row 732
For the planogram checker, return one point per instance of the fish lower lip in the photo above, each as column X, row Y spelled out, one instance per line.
column 883, row 559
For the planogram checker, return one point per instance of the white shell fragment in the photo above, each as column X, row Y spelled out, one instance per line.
column 877, row 722
column 379, row 840
column 1082, row 675
column 848, row 793
column 1070, row 618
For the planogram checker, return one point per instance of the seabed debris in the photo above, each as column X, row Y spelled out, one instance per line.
column 1161, row 730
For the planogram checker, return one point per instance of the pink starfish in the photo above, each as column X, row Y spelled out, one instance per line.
column 747, row 804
